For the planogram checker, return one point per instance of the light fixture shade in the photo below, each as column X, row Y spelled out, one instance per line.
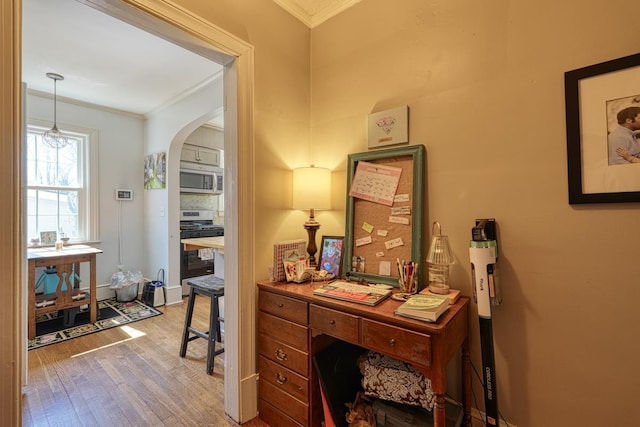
column 440, row 251
column 311, row 188
column 53, row 137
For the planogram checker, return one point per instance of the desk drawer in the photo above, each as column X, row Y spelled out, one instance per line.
column 412, row 347
column 282, row 330
column 284, row 379
column 334, row 323
column 288, row 404
column 283, row 354
column 275, row 417
column 284, row 307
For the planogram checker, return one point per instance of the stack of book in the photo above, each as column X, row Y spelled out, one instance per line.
column 424, row 307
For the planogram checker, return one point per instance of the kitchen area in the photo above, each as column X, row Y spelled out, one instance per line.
column 202, row 205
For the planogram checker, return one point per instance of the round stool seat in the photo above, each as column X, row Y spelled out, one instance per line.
column 208, row 283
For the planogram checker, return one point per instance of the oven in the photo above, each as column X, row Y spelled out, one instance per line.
column 195, row 224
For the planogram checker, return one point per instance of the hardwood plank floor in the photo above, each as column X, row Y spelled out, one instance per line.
column 128, row 376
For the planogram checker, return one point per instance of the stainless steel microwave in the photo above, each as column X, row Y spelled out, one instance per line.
column 199, row 178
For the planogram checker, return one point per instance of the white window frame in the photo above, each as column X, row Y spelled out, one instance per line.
column 88, row 216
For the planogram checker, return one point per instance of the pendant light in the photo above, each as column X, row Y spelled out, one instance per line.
column 53, row 137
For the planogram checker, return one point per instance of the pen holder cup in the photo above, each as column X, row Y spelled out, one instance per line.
column 409, row 288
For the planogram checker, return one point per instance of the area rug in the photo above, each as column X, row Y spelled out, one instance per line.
column 50, row 328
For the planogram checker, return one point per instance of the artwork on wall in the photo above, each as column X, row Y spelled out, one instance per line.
column 602, row 103
column 389, row 127
column 155, row 167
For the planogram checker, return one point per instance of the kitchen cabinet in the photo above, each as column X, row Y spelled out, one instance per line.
column 193, row 153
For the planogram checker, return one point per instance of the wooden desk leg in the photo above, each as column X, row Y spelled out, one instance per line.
column 439, row 419
column 93, row 305
column 32, row 301
column 466, row 383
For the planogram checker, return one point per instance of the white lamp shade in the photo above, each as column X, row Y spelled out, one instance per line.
column 311, row 188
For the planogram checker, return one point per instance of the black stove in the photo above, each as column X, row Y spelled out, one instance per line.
column 195, row 224
column 199, row 226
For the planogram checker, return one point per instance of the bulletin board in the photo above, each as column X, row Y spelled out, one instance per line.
column 379, row 231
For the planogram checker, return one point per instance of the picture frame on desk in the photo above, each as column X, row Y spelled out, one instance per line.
column 48, row 237
column 594, row 95
column 331, row 255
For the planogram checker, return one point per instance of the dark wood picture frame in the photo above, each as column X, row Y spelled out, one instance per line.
column 412, row 180
column 335, row 262
column 575, row 94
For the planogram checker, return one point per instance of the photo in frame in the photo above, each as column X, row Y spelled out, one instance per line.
column 331, row 255
column 601, row 102
column 48, row 237
column 389, row 127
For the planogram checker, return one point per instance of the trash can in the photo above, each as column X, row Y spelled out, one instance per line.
column 126, row 284
column 127, row 293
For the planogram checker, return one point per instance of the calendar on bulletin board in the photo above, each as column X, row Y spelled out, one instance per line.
column 385, row 204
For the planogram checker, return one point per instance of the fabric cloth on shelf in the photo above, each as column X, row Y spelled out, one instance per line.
column 390, row 379
column 205, row 254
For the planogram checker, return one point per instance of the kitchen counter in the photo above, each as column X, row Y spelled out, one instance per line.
column 214, row 243
column 203, row 242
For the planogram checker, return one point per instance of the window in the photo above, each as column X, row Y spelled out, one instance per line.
column 61, row 191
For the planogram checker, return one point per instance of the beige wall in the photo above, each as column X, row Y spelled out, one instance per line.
column 484, row 83
column 281, row 115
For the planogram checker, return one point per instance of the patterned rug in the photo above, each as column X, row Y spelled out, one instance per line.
column 50, row 328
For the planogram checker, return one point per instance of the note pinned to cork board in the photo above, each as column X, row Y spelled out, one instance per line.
column 398, row 213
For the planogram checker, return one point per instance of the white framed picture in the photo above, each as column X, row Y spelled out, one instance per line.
column 389, row 127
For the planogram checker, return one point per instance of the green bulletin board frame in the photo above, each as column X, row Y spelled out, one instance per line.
column 412, row 161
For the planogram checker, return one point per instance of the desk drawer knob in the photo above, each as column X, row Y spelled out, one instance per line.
column 280, row 379
column 392, row 342
column 281, row 355
column 280, row 305
column 332, row 322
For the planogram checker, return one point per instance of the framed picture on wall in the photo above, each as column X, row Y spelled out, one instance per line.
column 331, row 255
column 602, row 103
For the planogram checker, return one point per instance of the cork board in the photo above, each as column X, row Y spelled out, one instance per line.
column 378, row 234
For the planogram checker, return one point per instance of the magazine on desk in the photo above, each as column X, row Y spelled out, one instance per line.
column 351, row 292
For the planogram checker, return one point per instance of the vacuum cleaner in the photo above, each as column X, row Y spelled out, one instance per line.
column 483, row 253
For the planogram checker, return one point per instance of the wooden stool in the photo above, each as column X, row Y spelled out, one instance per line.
column 212, row 287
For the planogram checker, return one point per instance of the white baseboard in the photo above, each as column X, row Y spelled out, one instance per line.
column 173, row 295
column 103, row 292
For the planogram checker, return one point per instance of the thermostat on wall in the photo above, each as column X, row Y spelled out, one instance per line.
column 124, row 194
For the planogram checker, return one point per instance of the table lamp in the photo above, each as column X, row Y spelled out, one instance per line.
column 439, row 260
column 311, row 190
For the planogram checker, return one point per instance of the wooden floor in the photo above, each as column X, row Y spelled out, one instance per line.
column 128, row 376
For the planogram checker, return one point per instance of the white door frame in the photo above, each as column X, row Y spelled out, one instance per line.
column 188, row 30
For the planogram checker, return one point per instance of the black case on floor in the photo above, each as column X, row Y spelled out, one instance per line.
column 391, row 414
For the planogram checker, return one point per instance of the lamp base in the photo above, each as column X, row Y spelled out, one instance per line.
column 312, row 226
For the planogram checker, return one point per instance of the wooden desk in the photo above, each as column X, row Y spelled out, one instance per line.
column 66, row 262
column 294, row 324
